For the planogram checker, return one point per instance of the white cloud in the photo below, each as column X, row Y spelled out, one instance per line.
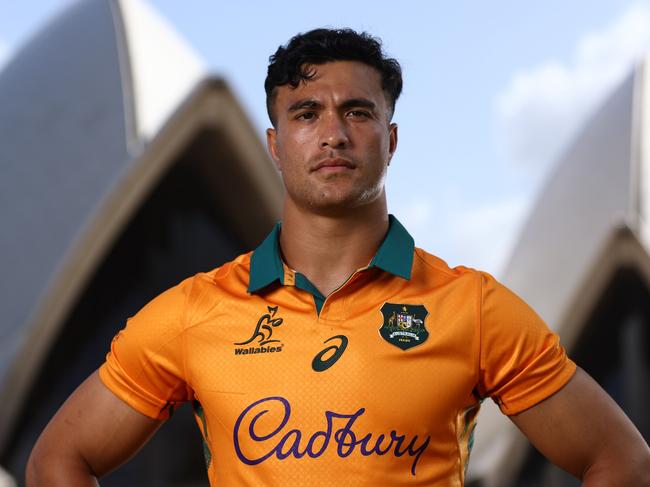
column 479, row 236
column 4, row 53
column 483, row 236
column 417, row 213
column 542, row 107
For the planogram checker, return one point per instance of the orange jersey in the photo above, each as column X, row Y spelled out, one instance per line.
column 378, row 383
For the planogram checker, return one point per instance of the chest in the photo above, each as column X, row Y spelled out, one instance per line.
column 396, row 360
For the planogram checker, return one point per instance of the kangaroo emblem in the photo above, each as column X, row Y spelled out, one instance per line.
column 264, row 328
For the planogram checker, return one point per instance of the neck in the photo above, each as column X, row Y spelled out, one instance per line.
column 327, row 249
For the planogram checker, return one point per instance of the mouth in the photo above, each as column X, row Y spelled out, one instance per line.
column 335, row 164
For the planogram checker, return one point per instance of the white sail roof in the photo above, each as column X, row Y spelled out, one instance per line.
column 94, row 109
column 590, row 219
column 163, row 67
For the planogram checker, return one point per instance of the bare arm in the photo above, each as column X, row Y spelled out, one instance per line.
column 92, row 433
column 582, row 430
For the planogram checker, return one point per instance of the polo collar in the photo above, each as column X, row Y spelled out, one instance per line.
column 395, row 255
column 266, row 263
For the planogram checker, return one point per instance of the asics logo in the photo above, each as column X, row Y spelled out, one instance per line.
column 320, row 364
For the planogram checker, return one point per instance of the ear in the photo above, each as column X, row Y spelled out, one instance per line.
column 392, row 141
column 271, row 144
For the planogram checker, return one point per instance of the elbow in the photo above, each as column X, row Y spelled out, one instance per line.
column 34, row 473
column 638, row 472
column 48, row 465
column 644, row 469
column 41, row 466
column 630, row 469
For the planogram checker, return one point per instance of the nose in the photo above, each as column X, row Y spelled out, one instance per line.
column 334, row 133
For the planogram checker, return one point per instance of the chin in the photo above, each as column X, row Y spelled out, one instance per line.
column 342, row 204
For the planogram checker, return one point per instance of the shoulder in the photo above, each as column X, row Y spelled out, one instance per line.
column 231, row 274
column 205, row 290
column 435, row 269
column 188, row 301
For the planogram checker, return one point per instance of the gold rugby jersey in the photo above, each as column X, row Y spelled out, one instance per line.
column 378, row 383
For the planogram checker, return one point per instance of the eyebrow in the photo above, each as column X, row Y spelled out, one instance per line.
column 359, row 103
column 351, row 103
column 302, row 104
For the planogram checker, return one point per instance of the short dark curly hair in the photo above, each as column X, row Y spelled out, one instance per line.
column 320, row 46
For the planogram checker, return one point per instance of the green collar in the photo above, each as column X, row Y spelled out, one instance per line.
column 395, row 255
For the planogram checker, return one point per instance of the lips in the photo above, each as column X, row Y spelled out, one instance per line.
column 334, row 163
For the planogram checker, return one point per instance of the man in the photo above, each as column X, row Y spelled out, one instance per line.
column 337, row 353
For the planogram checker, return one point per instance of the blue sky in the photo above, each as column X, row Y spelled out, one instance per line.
column 493, row 91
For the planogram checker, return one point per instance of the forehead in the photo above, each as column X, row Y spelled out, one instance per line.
column 336, row 81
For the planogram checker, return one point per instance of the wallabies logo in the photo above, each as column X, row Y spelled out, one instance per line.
column 262, row 335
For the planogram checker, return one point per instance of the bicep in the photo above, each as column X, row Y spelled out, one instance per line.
column 580, row 428
column 94, row 429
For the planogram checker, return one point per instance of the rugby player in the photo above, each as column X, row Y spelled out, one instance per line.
column 337, row 353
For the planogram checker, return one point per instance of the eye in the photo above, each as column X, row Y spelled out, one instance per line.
column 358, row 114
column 306, row 116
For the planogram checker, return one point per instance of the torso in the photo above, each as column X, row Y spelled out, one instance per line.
column 280, row 412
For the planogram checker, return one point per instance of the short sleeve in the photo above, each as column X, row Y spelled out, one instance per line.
column 521, row 360
column 145, row 365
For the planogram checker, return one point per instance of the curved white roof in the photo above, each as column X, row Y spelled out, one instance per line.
column 593, row 191
column 63, row 144
column 94, row 109
column 163, row 68
column 590, row 219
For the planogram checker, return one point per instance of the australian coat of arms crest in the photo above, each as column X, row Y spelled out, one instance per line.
column 403, row 324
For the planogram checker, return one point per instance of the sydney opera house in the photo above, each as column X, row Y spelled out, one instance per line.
column 583, row 262
column 126, row 166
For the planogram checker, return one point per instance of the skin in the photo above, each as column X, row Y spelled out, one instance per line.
column 333, row 141
column 93, row 433
column 583, row 431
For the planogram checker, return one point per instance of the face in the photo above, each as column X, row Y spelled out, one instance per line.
column 333, row 138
